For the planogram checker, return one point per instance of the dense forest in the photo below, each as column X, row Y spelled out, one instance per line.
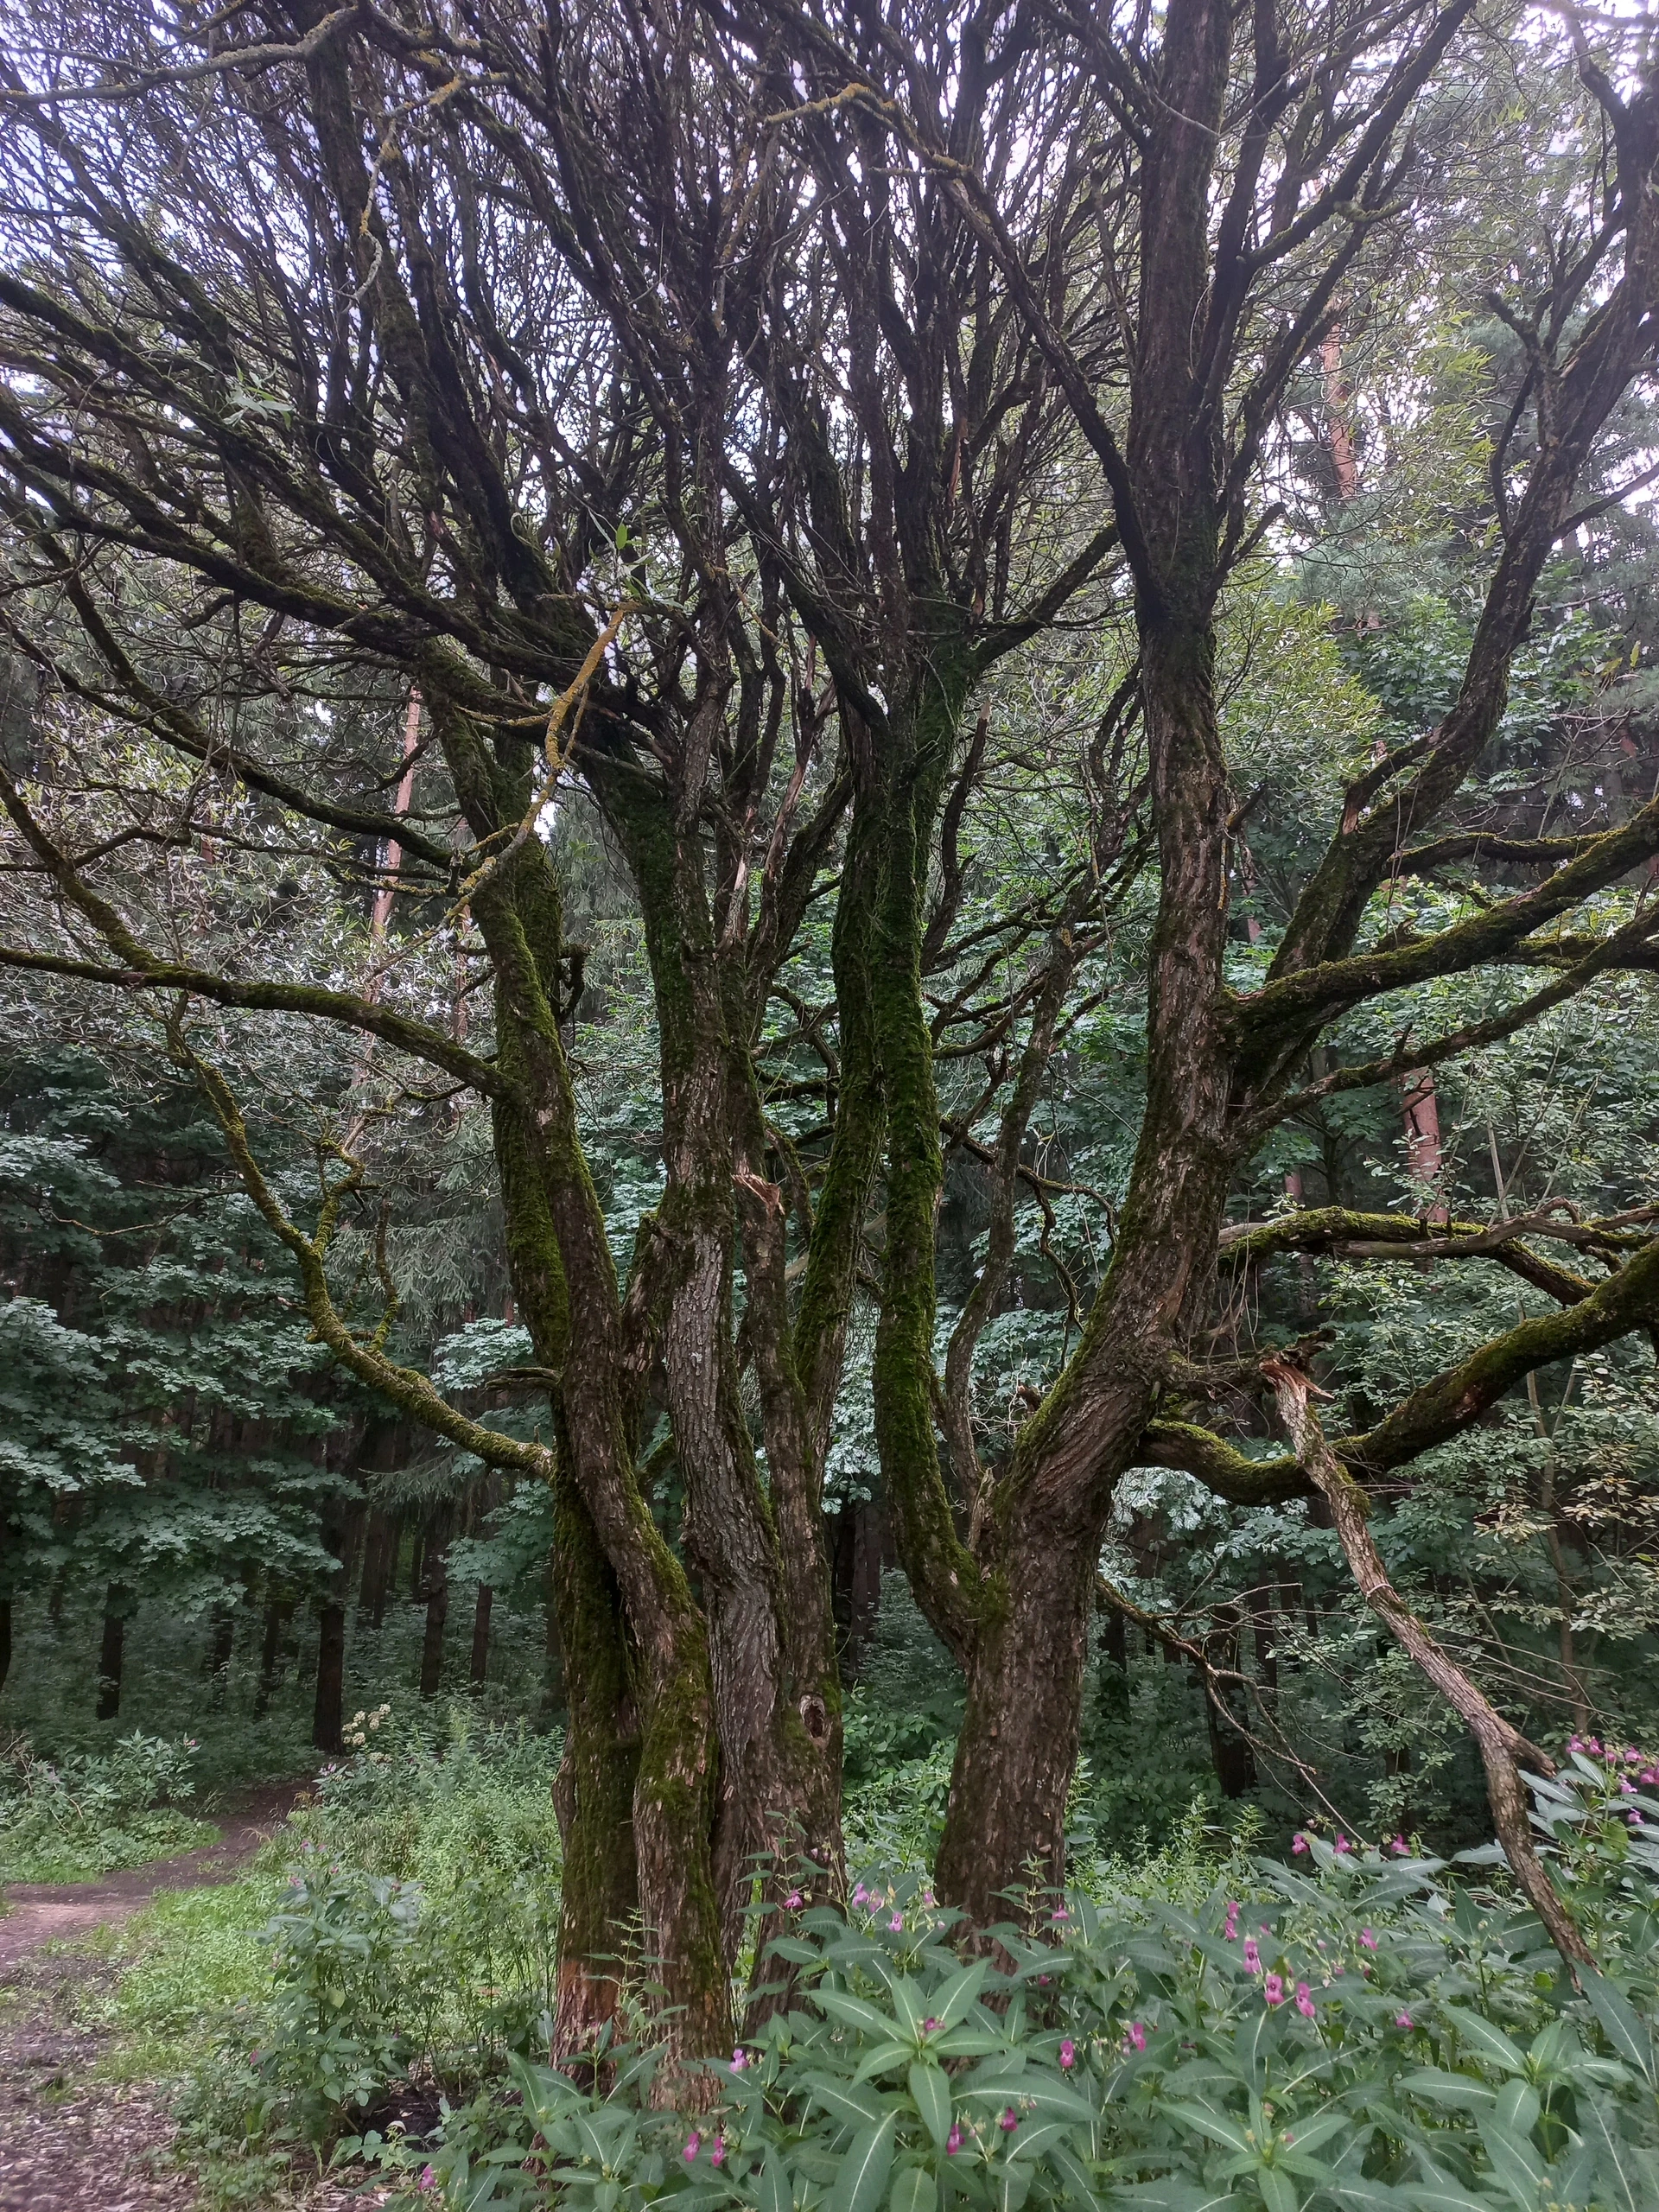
column 829, row 950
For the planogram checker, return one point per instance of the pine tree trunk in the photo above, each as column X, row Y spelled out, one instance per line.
column 437, row 1604
column 478, row 1671
column 328, row 1709
column 378, row 1560
column 219, row 1654
column 111, row 1652
column 279, row 1613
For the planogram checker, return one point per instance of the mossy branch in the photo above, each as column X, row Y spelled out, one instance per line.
column 1501, row 1745
column 144, row 971
column 405, row 1386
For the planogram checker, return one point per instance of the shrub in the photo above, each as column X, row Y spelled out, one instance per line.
column 1361, row 2028
column 89, row 1816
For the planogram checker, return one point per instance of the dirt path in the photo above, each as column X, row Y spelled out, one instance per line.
column 69, row 2142
column 49, row 1912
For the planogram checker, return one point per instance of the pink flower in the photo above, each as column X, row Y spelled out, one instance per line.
column 1252, row 1956
column 1060, row 1913
column 740, row 2059
column 718, row 2155
column 1402, row 2019
column 694, row 2144
column 1632, row 1758
column 927, row 1898
column 1627, row 1785
column 792, row 1901
column 1368, row 1939
column 1274, row 1990
column 861, row 1895
column 1010, row 2120
column 1400, row 1847
column 1591, row 1744
column 1343, row 1844
column 1303, row 2000
column 1068, row 2055
column 928, row 2026
column 1649, row 1774
column 1575, row 1742
column 1339, row 1967
column 427, row 2180
column 1135, row 2035
column 1635, row 1820
column 1298, row 1843
column 896, row 1923
column 953, row 2143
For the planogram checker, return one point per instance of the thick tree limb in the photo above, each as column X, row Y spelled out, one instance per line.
column 1501, row 1745
column 1353, row 1236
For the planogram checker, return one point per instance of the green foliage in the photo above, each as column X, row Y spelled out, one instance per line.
column 91, row 1815
column 1374, row 2032
column 412, row 1948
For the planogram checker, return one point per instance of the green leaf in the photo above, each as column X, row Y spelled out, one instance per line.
column 883, row 2059
column 771, row 2190
column 863, row 2181
column 1441, row 2088
column 1486, row 2038
column 1308, row 2134
column 855, row 2013
column 1177, row 2196
column 1278, row 2192
column 914, row 2189
column 955, row 1999
column 930, row 2090
column 1625, row 2175
column 1620, row 2023
column 1516, row 2163
column 846, row 2101
column 1221, row 2127
column 1518, row 2107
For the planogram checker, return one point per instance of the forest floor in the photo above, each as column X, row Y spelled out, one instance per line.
column 70, row 2142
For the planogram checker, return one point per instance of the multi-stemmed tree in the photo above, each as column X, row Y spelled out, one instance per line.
column 699, row 409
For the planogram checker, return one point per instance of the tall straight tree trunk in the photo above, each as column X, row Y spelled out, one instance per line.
column 279, row 1610
column 1006, row 1814
column 437, row 1603
column 328, row 1706
column 219, row 1654
column 5, row 1640
column 111, row 1652
column 478, row 1672
column 379, row 1561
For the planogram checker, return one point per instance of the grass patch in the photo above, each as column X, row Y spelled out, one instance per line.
column 84, row 1854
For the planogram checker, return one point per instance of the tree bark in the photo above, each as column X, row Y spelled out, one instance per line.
column 219, row 1654
column 328, row 1708
column 112, row 1653
column 279, row 1610
column 437, row 1592
column 477, row 1671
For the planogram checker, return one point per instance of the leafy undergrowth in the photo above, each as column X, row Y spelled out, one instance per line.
column 1356, row 2029
column 392, row 1943
column 1359, row 2029
column 91, row 1816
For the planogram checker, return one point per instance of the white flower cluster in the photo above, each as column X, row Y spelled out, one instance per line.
column 364, row 1725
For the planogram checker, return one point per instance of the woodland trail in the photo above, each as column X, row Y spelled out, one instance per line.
column 69, row 2142
column 51, row 1912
